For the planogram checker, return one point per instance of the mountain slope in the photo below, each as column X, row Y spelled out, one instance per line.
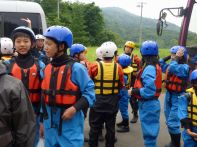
column 127, row 26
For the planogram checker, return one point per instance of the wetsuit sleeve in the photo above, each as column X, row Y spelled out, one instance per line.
column 182, row 111
column 42, row 66
column 81, row 78
column 180, row 70
column 121, row 76
column 148, row 81
column 163, row 65
column 23, row 117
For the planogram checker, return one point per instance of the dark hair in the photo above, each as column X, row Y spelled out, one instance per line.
column 21, row 34
column 150, row 60
column 107, row 58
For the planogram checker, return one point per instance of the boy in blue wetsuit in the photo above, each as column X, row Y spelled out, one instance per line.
column 147, row 89
column 187, row 112
column 176, row 77
column 67, row 89
column 125, row 61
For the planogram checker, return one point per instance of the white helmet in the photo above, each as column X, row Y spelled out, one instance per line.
column 39, row 36
column 99, row 53
column 109, row 49
column 6, row 46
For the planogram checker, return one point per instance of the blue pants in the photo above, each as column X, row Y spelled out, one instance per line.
column 123, row 106
column 171, row 112
column 149, row 117
column 72, row 134
column 37, row 130
column 188, row 140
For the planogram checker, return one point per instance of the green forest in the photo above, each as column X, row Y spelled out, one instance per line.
column 92, row 25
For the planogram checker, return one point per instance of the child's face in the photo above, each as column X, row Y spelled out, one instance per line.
column 50, row 48
column 82, row 56
column 39, row 43
column 128, row 50
column 22, row 45
column 173, row 56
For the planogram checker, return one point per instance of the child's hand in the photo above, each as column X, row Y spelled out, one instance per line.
column 41, row 130
column 28, row 21
column 69, row 113
column 193, row 134
column 130, row 91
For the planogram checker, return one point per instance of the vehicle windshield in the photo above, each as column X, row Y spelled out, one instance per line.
column 11, row 20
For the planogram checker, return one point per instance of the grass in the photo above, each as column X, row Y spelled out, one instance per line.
column 91, row 54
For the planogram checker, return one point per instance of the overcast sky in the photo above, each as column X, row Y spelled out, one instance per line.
column 151, row 8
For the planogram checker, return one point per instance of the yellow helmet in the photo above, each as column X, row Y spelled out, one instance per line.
column 130, row 44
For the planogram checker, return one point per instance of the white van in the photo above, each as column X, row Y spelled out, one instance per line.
column 11, row 13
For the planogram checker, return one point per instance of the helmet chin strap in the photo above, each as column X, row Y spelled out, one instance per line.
column 59, row 51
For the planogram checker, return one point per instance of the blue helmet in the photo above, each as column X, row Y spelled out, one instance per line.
column 174, row 49
column 76, row 49
column 60, row 34
column 25, row 30
column 124, row 60
column 149, row 48
column 193, row 75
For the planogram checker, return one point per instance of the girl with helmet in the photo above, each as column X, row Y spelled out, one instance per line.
column 108, row 79
column 38, row 50
column 147, row 89
column 187, row 112
column 67, row 89
column 78, row 52
column 6, row 48
column 135, row 64
column 26, row 68
column 125, row 62
column 175, row 84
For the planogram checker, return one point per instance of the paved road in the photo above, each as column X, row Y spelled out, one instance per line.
column 134, row 137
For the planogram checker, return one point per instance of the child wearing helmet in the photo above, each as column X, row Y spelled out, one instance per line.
column 17, row 123
column 147, row 89
column 187, row 112
column 6, row 48
column 99, row 54
column 175, row 84
column 67, row 90
column 135, row 64
column 78, row 52
column 27, row 69
column 125, row 62
column 38, row 50
column 108, row 79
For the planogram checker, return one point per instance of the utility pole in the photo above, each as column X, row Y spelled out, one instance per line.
column 58, row 9
column 140, row 5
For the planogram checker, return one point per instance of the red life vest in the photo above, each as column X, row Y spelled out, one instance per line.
column 173, row 83
column 57, row 86
column 158, row 81
column 30, row 78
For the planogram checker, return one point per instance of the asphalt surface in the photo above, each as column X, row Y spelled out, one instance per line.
column 134, row 137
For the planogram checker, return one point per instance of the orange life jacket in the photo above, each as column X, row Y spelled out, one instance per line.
column 158, row 81
column 30, row 78
column 57, row 87
column 173, row 83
